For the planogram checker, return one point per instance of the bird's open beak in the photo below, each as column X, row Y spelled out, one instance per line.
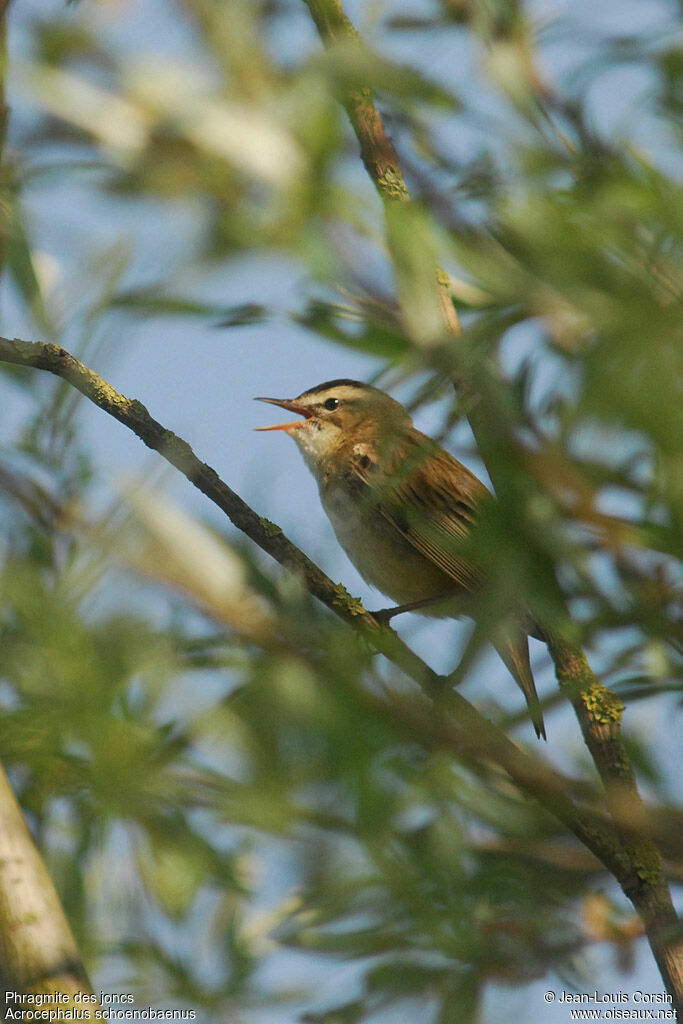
column 286, row 403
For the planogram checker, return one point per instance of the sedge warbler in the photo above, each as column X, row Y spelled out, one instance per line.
column 401, row 506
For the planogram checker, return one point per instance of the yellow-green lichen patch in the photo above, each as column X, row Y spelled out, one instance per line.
column 602, row 704
column 342, row 599
column 270, row 529
column 647, row 863
column 392, row 185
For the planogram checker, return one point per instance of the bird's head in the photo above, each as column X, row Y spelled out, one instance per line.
column 335, row 413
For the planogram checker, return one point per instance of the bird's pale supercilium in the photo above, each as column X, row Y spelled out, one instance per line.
column 401, row 506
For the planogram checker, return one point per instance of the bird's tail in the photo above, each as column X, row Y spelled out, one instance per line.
column 514, row 651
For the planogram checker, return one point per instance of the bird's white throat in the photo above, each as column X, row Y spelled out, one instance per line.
column 317, row 442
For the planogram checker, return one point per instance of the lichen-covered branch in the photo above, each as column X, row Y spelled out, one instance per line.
column 449, row 719
column 178, row 452
column 376, row 149
column 599, row 712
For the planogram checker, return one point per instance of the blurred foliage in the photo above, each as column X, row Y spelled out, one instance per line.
column 210, row 803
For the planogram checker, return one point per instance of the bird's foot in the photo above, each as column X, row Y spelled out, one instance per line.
column 385, row 615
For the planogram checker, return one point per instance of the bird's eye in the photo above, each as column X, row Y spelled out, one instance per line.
column 330, row 404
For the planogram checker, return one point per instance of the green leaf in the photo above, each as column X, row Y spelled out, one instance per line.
column 155, row 302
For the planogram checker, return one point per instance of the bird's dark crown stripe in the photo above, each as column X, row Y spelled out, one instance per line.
column 333, row 384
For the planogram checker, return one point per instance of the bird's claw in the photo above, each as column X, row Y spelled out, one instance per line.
column 385, row 615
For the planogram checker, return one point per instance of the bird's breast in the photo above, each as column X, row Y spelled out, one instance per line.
column 380, row 553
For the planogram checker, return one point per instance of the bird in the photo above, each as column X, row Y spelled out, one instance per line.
column 401, row 506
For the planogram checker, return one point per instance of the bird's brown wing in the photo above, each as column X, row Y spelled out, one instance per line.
column 433, row 509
